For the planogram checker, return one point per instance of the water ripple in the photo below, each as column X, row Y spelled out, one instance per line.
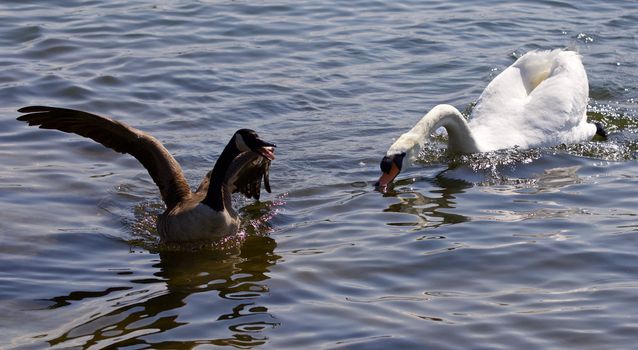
column 529, row 249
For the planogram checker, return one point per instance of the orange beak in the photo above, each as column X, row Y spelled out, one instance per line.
column 387, row 178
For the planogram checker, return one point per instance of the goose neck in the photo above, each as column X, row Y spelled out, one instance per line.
column 216, row 197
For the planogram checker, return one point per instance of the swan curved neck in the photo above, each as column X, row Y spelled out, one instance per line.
column 460, row 138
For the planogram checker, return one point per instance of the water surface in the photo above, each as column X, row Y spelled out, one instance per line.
column 525, row 249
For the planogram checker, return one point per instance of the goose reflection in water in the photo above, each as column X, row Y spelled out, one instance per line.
column 189, row 288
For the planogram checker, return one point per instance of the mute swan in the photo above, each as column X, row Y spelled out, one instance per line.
column 540, row 100
column 204, row 214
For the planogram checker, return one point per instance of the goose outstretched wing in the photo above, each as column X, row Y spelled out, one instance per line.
column 120, row 137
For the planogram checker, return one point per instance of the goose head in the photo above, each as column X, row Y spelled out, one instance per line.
column 247, row 140
column 391, row 166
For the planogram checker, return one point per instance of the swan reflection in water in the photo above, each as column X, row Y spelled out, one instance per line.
column 431, row 209
column 219, row 289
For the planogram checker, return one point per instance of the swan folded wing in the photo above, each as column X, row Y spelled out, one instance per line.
column 540, row 100
column 120, row 137
column 565, row 90
column 559, row 103
column 496, row 117
column 246, row 173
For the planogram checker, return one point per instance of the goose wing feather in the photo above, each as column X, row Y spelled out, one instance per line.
column 159, row 163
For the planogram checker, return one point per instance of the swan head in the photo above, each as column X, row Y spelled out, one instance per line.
column 391, row 166
column 247, row 140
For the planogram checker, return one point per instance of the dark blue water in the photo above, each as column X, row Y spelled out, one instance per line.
column 532, row 249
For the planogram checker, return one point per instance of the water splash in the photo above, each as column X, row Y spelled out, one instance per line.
column 256, row 218
column 143, row 226
column 585, row 38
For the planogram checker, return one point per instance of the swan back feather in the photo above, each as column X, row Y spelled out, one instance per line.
column 540, row 100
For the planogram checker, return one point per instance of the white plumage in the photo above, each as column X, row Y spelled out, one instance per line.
column 540, row 100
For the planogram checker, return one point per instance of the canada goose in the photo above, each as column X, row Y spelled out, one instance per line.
column 205, row 214
column 540, row 100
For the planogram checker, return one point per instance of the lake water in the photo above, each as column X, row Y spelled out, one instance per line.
column 533, row 249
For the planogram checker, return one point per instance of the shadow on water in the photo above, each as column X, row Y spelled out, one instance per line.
column 215, row 287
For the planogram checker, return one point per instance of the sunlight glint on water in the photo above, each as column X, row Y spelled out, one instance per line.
column 514, row 249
